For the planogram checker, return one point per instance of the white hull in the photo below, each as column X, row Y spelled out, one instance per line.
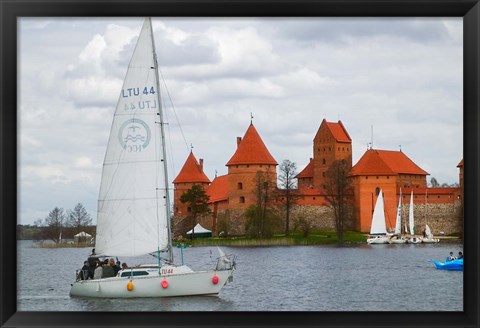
column 181, row 283
column 377, row 240
column 430, row 240
column 415, row 240
column 397, row 240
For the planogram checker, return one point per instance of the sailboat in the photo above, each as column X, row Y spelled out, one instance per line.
column 133, row 205
column 397, row 237
column 411, row 222
column 378, row 229
column 428, row 238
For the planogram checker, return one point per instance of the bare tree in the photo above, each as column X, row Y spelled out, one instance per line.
column 260, row 220
column 55, row 222
column 288, row 185
column 79, row 217
column 339, row 194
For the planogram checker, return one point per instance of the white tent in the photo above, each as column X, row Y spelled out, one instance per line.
column 199, row 231
column 82, row 237
column 82, row 234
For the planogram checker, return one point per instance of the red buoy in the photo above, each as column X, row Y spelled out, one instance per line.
column 215, row 279
column 130, row 286
column 164, row 284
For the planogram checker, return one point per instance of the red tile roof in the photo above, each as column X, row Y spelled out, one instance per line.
column 337, row 130
column 218, row 189
column 307, row 172
column 385, row 162
column 251, row 150
column 191, row 172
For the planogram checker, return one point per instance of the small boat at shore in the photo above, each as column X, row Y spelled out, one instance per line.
column 452, row 265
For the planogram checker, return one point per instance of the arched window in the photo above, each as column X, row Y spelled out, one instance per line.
column 239, row 186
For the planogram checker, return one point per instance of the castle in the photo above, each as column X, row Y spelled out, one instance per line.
column 391, row 171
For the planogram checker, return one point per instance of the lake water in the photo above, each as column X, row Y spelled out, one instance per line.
column 299, row 278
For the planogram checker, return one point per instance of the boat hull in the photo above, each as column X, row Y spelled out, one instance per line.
column 430, row 240
column 455, row 265
column 182, row 284
column 377, row 240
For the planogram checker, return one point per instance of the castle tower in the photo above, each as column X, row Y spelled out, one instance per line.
column 251, row 156
column 389, row 171
column 191, row 174
column 331, row 143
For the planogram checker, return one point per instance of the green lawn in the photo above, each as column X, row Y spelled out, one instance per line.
column 314, row 238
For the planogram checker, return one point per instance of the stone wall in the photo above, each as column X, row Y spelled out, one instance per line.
column 445, row 218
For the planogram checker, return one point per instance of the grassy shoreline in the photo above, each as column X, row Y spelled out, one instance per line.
column 294, row 239
column 317, row 238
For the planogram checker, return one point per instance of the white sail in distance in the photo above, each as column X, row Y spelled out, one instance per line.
column 410, row 215
column 133, row 200
column 398, row 223
column 378, row 220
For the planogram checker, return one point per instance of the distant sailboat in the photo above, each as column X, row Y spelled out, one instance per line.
column 397, row 237
column 378, row 229
column 411, row 222
column 133, row 205
column 428, row 238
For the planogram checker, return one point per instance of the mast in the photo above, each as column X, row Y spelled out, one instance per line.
column 164, row 151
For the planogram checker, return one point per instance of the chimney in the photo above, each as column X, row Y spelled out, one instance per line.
column 201, row 164
column 239, row 140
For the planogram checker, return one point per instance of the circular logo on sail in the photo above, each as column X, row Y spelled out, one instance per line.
column 134, row 135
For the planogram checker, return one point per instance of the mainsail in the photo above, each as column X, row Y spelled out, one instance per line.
column 398, row 223
column 410, row 215
column 378, row 220
column 133, row 201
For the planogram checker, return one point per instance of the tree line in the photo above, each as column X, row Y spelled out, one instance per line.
column 58, row 224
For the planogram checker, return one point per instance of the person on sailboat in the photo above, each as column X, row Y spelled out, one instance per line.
column 98, row 271
column 460, row 255
column 85, row 271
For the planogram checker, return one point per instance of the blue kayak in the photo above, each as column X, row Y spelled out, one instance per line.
column 456, row 265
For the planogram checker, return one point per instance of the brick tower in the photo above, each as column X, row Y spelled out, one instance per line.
column 191, row 174
column 331, row 143
column 251, row 156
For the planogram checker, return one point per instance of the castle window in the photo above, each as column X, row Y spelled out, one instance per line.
column 366, row 178
column 343, row 148
column 377, row 176
column 242, row 199
column 248, row 165
column 338, row 148
column 329, row 149
column 324, row 161
column 239, row 186
column 377, row 191
column 313, row 198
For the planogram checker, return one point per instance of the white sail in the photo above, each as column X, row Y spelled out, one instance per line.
column 378, row 220
column 132, row 204
column 428, row 232
column 398, row 223
column 410, row 215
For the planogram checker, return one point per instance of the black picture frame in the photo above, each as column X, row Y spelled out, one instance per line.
column 11, row 10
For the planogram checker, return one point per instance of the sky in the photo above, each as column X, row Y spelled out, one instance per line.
column 400, row 78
